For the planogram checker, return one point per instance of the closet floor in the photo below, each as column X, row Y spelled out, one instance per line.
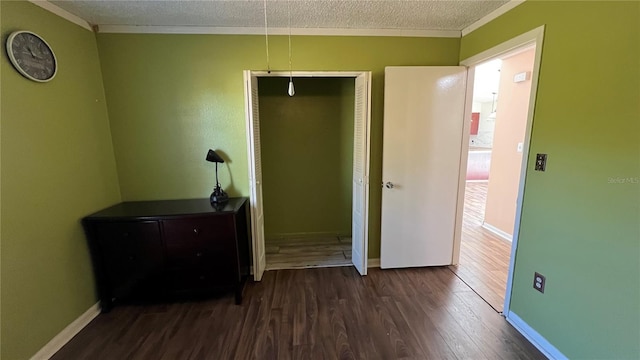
column 308, row 253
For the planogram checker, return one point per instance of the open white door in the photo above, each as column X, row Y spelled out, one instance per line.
column 255, row 174
column 360, row 223
column 423, row 120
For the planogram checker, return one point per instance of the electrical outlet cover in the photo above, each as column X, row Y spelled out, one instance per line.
column 541, row 162
column 538, row 282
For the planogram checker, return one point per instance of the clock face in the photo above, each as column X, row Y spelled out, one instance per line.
column 31, row 56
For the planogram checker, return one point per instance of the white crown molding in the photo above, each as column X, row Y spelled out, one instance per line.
column 491, row 16
column 508, row 47
column 149, row 29
column 62, row 13
column 67, row 333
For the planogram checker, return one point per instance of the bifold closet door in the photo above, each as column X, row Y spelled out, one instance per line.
column 255, row 175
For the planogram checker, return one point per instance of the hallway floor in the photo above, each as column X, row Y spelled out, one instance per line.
column 484, row 256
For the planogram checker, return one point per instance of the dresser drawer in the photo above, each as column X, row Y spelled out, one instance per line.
column 200, row 241
column 130, row 252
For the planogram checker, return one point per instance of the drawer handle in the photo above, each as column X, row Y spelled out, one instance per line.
column 199, row 254
column 196, row 231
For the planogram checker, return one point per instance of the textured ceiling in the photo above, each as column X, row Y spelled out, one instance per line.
column 337, row 14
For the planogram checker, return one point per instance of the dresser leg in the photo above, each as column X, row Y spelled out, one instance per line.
column 239, row 290
column 238, row 296
column 105, row 305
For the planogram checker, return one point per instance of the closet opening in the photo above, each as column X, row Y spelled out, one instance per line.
column 308, row 165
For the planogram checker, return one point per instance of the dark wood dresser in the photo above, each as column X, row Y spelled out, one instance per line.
column 169, row 248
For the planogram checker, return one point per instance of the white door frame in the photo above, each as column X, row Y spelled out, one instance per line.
column 508, row 47
column 366, row 150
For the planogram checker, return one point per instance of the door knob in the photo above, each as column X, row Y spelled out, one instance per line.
column 389, row 185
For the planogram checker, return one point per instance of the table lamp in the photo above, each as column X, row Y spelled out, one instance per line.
column 218, row 196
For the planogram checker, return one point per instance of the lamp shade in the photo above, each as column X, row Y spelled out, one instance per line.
column 212, row 156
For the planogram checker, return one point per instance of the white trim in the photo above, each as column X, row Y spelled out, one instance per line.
column 278, row 73
column 535, row 36
column 152, row 29
column 503, row 234
column 538, row 35
column 373, row 263
column 67, row 333
column 462, row 173
column 62, row 13
column 247, row 75
column 491, row 16
column 534, row 337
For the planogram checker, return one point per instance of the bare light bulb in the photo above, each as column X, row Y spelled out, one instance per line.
column 291, row 91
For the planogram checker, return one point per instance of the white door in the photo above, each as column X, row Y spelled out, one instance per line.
column 423, row 120
column 359, row 231
column 255, row 174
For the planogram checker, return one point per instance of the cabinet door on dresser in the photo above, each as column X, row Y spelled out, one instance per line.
column 201, row 253
column 131, row 252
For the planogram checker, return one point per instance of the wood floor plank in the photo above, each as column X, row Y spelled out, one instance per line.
column 329, row 313
column 431, row 341
column 501, row 329
column 484, row 256
column 308, row 253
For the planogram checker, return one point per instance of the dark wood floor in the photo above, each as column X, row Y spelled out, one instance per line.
column 484, row 256
column 322, row 313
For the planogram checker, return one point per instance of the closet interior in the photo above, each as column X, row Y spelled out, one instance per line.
column 307, row 143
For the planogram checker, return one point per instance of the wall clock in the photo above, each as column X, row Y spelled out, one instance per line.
column 31, row 56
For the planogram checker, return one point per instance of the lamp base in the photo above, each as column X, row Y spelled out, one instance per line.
column 218, row 196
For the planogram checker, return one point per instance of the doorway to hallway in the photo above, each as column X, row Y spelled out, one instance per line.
column 501, row 95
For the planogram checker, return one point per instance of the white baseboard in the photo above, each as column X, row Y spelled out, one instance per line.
column 305, row 236
column 373, row 263
column 503, row 234
column 534, row 337
column 67, row 333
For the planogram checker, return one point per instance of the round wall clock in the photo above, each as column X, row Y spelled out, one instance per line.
column 31, row 56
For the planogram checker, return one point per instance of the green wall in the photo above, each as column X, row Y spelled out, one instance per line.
column 580, row 219
column 57, row 166
column 171, row 97
column 307, row 156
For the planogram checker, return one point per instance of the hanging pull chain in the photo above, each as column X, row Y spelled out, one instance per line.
column 291, row 90
column 266, row 36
